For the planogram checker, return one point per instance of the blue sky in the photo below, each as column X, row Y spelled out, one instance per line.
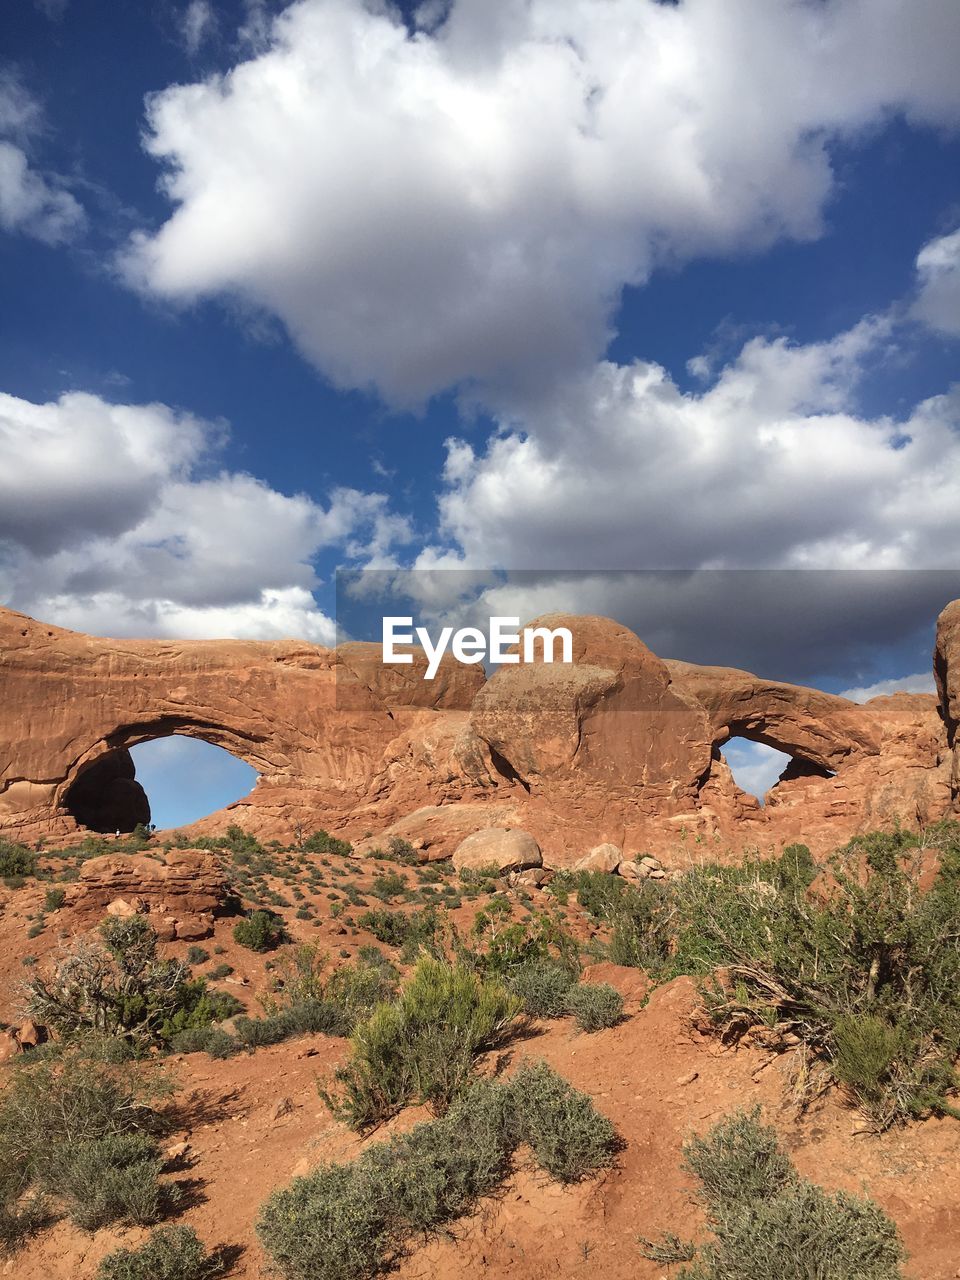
column 552, row 285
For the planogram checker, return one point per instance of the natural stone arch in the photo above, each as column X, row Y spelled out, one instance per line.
column 819, row 730
column 101, row 791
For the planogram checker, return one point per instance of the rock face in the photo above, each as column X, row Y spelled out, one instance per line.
column 620, row 748
column 179, row 894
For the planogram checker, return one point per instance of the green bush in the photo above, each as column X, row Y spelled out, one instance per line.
column 543, row 986
column 350, row 1222
column 595, row 1005
column 422, row 1047
column 866, row 970
column 16, row 860
column 389, row 885
column 110, row 1179
column 80, row 1133
column 398, row 929
column 739, row 1162
column 322, row 842
column 197, row 955
column 770, row 1224
column 169, row 1253
column 54, row 899
column 260, row 931
column 568, row 1136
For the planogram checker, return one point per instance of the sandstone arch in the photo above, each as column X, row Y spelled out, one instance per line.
column 815, row 728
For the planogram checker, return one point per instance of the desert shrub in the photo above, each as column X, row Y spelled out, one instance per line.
column 212, row 1040
column 350, row 1222
column 168, row 1253
column 297, row 975
column 16, row 860
column 410, row 931
column 110, row 1179
column 80, row 1133
column 323, row 842
column 260, row 931
column 388, row 885
column 770, row 1224
column 117, row 985
column 866, row 1052
column 54, row 899
column 197, row 955
column 739, row 1162
column 309, row 1000
column 357, row 989
column 422, row 1047
column 568, row 1136
column 595, row 1005
column 866, row 971
column 543, row 986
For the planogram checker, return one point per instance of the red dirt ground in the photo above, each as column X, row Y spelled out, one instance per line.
column 255, row 1120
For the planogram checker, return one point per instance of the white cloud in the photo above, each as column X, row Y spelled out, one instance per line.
column 464, row 203
column 938, row 297
column 198, row 25
column 109, row 523
column 922, row 682
column 32, row 203
column 769, row 466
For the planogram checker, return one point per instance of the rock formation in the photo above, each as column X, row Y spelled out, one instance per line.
column 620, row 748
column 180, row 894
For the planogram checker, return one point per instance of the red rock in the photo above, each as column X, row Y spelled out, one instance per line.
column 30, row 1035
column 620, row 748
column 506, row 848
column 604, row 857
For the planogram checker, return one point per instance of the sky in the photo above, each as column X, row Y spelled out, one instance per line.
column 574, row 287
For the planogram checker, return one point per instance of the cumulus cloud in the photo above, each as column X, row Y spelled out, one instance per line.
column 112, row 520
column 31, row 202
column 463, row 203
column 771, row 465
column 921, row 682
column 938, row 297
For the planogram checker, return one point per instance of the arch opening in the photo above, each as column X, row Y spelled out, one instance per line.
column 187, row 778
column 106, row 797
column 757, row 767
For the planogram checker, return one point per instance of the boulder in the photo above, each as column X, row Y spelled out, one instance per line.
column 506, row 848
column 603, row 857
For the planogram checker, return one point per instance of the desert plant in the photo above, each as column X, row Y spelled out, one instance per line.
column 117, row 985
column 595, row 1005
column 422, row 1047
column 865, row 971
column 351, row 1222
column 81, row 1133
column 567, row 1135
column 322, row 842
column 168, row 1253
column 260, row 931
column 54, row 899
column 543, row 986
column 770, row 1224
column 16, row 860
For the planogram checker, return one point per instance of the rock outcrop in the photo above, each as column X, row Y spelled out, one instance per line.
column 619, row 748
column 179, row 893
